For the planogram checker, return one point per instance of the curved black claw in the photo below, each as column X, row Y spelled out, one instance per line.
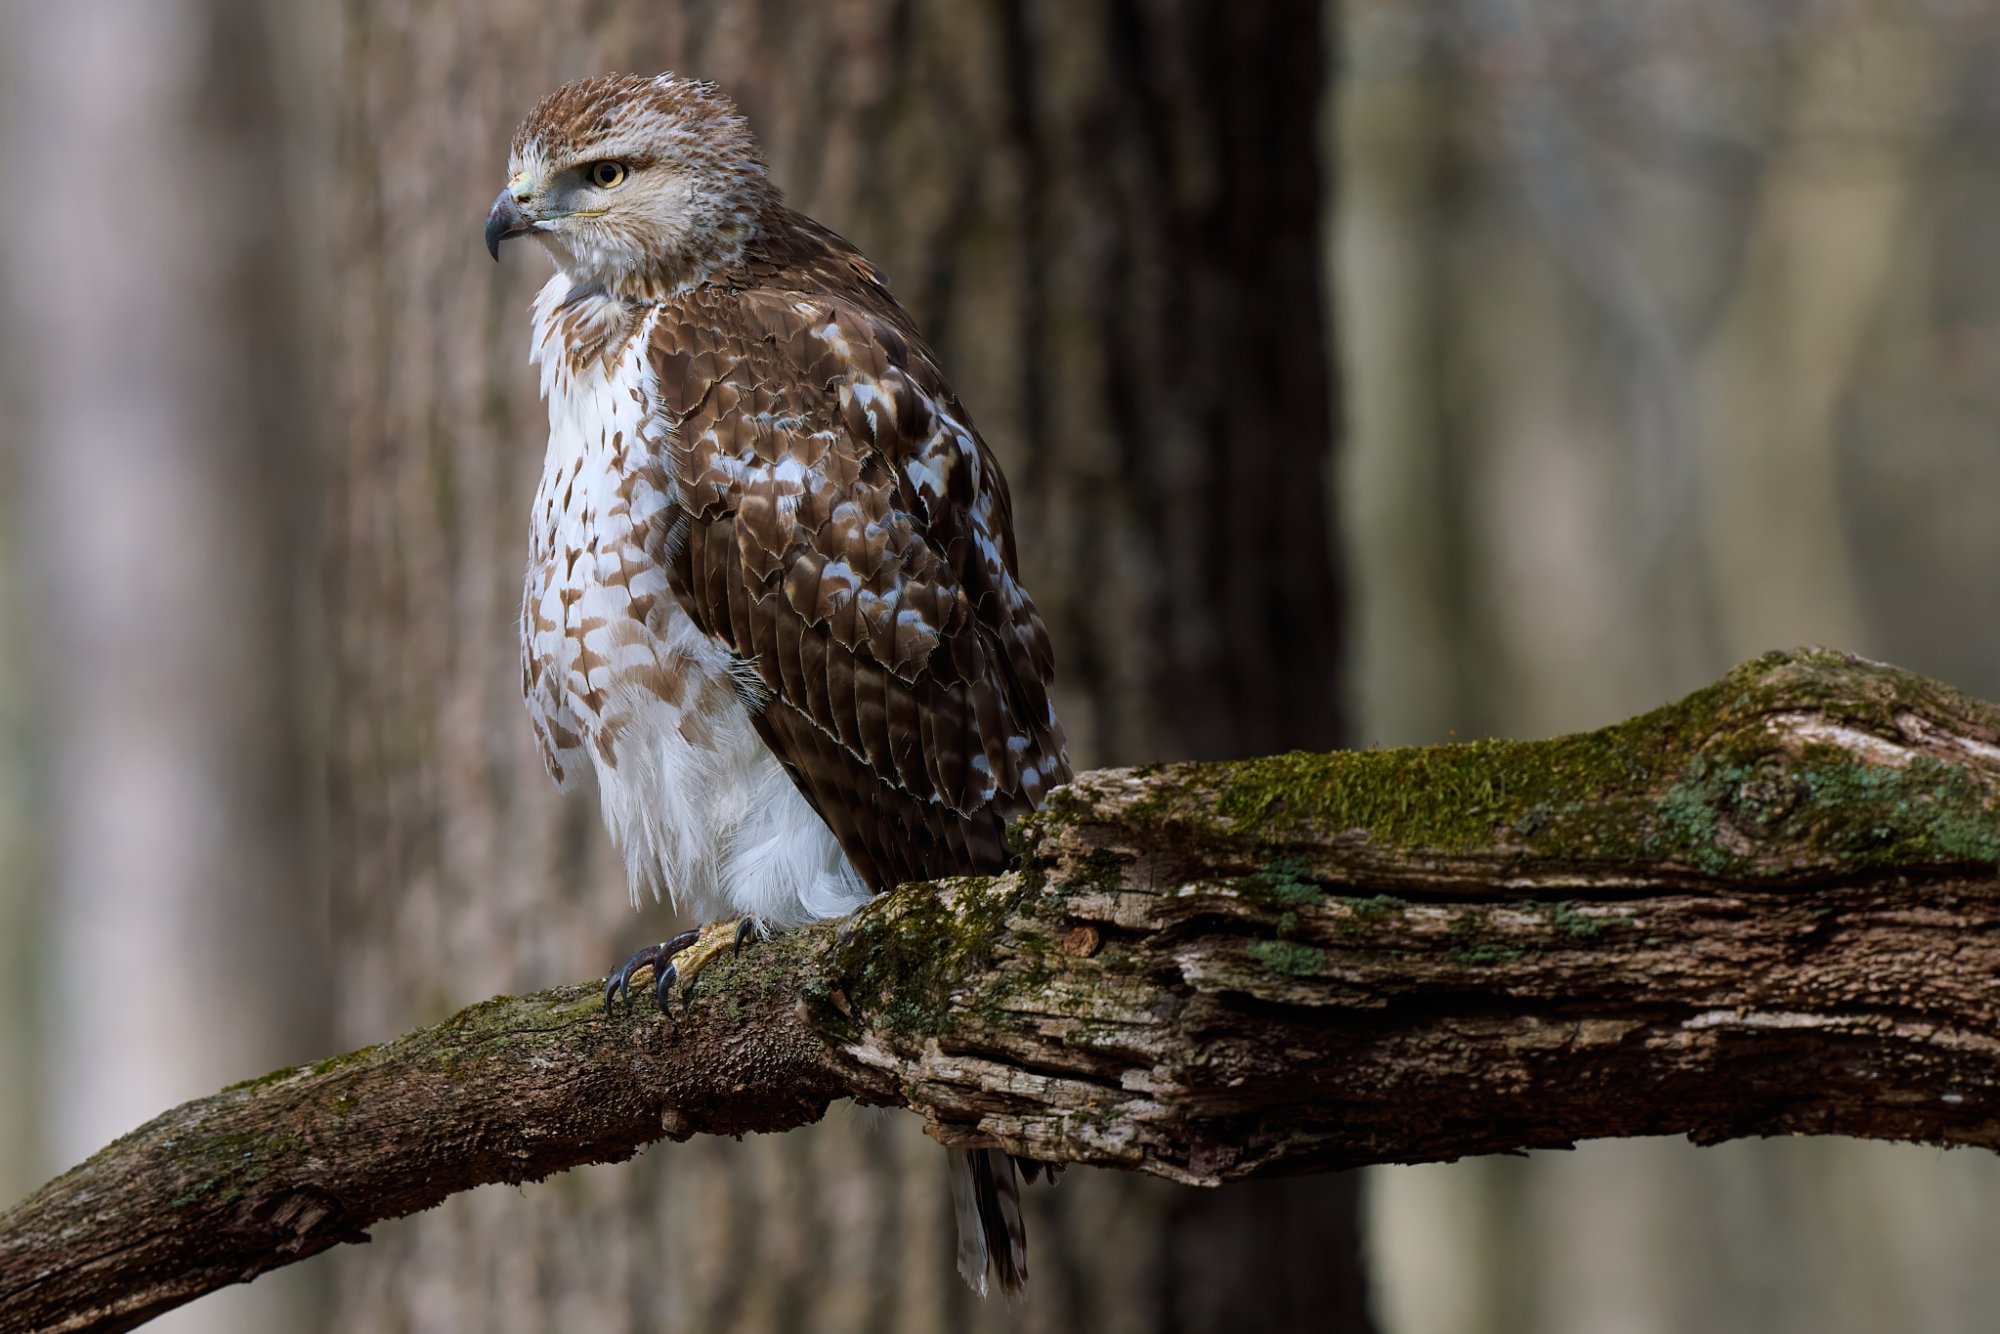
column 744, row 930
column 657, row 957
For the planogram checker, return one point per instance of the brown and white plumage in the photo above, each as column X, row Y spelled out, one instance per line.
column 773, row 602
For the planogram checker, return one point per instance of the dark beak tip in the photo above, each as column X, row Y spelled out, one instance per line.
column 503, row 220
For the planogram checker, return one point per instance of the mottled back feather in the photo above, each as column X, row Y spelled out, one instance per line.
column 842, row 527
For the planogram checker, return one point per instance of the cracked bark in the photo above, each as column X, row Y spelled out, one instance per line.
column 1771, row 908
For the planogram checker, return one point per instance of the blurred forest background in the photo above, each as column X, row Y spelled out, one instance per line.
column 1378, row 372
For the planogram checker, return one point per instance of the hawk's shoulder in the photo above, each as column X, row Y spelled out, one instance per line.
column 842, row 527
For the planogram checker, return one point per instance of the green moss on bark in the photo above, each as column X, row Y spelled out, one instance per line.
column 1715, row 784
column 904, row 958
column 1286, row 958
column 1680, row 784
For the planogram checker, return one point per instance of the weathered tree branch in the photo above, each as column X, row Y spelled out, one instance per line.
column 1771, row 908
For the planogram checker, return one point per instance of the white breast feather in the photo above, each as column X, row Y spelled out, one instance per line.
column 692, row 796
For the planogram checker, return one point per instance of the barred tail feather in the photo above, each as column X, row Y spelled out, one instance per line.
column 986, row 1197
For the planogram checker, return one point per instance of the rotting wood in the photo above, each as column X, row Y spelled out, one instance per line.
column 1770, row 908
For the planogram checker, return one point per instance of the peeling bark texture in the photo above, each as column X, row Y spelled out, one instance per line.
column 1770, row 908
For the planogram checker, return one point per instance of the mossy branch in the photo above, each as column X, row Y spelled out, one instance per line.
column 1771, row 908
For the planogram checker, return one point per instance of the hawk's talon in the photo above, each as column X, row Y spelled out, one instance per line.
column 658, row 957
column 679, row 961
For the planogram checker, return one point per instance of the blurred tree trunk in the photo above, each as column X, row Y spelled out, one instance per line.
column 158, row 485
column 1107, row 217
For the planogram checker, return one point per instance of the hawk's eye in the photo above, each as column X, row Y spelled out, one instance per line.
column 604, row 175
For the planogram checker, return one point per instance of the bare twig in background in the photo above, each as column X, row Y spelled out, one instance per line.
column 156, row 681
column 1770, row 908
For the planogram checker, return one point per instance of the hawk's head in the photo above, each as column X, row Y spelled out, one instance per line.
column 636, row 185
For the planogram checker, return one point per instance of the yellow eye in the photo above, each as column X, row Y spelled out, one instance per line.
column 604, row 175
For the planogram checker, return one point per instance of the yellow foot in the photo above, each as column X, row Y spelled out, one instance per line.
column 712, row 940
column 679, row 959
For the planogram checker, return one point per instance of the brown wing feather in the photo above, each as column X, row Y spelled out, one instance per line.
column 849, row 536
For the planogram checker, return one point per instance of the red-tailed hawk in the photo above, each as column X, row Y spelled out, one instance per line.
column 772, row 599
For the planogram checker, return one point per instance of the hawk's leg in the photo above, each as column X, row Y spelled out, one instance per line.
column 680, row 959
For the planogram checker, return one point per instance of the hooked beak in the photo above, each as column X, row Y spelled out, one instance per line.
column 503, row 220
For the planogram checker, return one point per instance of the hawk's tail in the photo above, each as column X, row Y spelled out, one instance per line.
column 986, row 1197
